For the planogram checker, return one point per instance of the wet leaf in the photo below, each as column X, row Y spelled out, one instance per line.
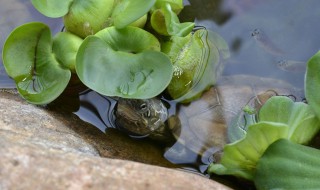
column 197, row 63
column 125, row 63
column 29, row 60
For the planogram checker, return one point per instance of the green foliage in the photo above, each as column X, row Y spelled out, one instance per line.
column 110, row 54
column 124, row 63
column 280, row 117
column 312, row 83
column 287, row 165
column 176, row 5
column 29, row 60
column 65, row 47
column 197, row 63
column 128, row 11
column 87, row 17
column 52, row 8
column 166, row 22
column 302, row 121
column 240, row 158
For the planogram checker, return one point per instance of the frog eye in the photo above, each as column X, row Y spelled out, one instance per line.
column 143, row 106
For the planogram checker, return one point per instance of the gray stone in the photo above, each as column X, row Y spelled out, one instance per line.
column 43, row 149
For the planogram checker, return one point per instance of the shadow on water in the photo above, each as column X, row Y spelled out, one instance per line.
column 268, row 38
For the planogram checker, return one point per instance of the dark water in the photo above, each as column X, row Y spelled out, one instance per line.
column 269, row 38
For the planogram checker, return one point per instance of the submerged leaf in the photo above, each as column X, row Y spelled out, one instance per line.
column 28, row 59
column 124, row 63
column 197, row 63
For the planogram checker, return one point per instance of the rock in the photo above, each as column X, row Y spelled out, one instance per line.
column 65, row 131
column 43, row 149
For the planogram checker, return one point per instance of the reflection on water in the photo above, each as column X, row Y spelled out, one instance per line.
column 289, row 27
column 269, row 38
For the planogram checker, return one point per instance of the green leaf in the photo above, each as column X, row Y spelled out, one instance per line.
column 197, row 63
column 87, row 17
column 287, row 165
column 279, row 117
column 166, row 22
column 52, row 8
column 312, row 83
column 124, row 63
column 176, row 5
column 302, row 121
column 65, row 47
column 28, row 59
column 128, row 11
column 240, row 158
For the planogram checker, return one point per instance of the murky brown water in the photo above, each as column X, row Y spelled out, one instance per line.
column 269, row 38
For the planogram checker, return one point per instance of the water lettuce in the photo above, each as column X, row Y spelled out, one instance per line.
column 87, row 17
column 124, row 62
column 280, row 117
column 197, row 60
column 40, row 66
column 166, row 22
column 288, row 165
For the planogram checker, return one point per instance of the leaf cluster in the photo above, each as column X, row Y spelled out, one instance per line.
column 113, row 46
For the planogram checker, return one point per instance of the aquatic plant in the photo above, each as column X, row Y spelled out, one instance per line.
column 40, row 66
column 263, row 156
column 106, row 45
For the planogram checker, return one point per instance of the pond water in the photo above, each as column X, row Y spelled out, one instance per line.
column 267, row 38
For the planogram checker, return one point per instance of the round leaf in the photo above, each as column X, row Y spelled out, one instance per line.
column 52, row 8
column 65, row 47
column 28, row 59
column 128, row 11
column 88, row 17
column 129, row 39
column 117, row 64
